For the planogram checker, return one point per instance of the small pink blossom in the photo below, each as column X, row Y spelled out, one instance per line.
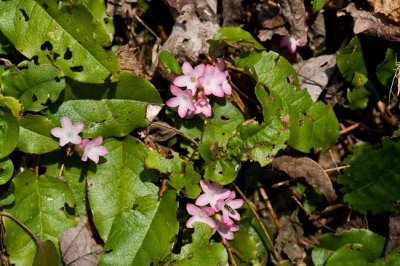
column 191, row 76
column 183, row 100
column 212, row 80
column 68, row 132
column 203, row 105
column 290, row 43
column 226, row 231
column 228, row 207
column 92, row 149
column 213, row 192
column 200, row 215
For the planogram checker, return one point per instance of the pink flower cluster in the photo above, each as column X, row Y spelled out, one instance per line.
column 198, row 83
column 220, row 200
column 69, row 133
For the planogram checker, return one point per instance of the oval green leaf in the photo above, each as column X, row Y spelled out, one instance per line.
column 9, row 131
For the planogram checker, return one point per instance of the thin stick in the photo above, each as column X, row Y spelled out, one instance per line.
column 274, row 217
column 274, row 252
column 337, row 168
column 230, row 255
column 350, row 128
column 147, row 27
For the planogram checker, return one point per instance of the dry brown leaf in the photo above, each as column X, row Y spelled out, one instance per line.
column 295, row 14
column 394, row 233
column 232, row 13
column 78, row 248
column 315, row 73
column 390, row 8
column 287, row 240
column 304, row 167
column 189, row 35
column 371, row 24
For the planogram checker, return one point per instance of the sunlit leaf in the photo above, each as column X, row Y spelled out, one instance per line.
column 181, row 172
column 33, row 85
column 118, row 182
column 34, row 136
column 9, row 130
column 70, row 38
column 6, row 170
column 40, row 204
column 170, row 63
column 237, row 35
column 143, row 236
column 200, row 251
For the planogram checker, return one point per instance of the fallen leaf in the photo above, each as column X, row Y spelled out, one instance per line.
column 298, row 167
column 295, row 15
column 78, row 248
column 189, row 35
column 232, row 13
column 371, row 24
column 315, row 73
column 287, row 240
column 389, row 8
column 394, row 233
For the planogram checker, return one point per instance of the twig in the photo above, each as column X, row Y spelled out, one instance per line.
column 337, row 168
column 147, row 27
column 230, row 255
column 274, row 217
column 350, row 128
column 274, row 252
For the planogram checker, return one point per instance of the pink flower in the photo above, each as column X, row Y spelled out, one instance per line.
column 226, row 231
column 190, row 79
column 212, row 80
column 200, row 215
column 228, row 207
column 203, row 105
column 213, row 192
column 68, row 132
column 92, row 149
column 290, row 43
column 183, row 100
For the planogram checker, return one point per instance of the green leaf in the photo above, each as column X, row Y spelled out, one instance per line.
column 261, row 142
column 312, row 125
column 116, row 184
column 34, row 136
column 12, row 103
column 128, row 87
column 60, row 165
column 386, row 69
column 99, row 13
column 359, row 96
column 143, row 236
column 68, row 37
column 6, row 198
column 182, row 173
column 351, row 253
column 33, row 85
column 391, row 259
column 320, row 255
column 46, row 254
column 350, row 60
column 200, row 251
column 105, row 117
column 317, row 5
column 316, row 128
column 237, row 35
column 40, row 205
column 373, row 177
column 6, row 170
column 9, row 130
column 219, row 166
column 226, row 117
column 170, row 63
column 368, row 245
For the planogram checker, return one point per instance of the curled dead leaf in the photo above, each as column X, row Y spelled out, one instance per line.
column 304, row 167
column 78, row 248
